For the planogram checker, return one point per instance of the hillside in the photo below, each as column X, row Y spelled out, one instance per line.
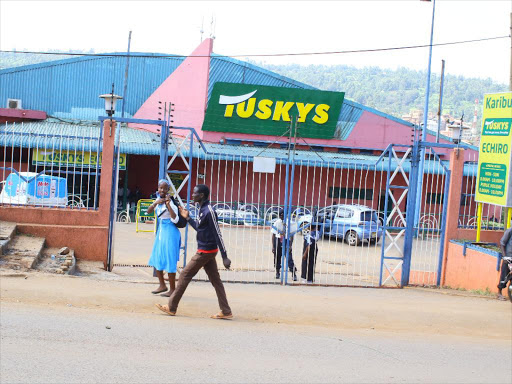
column 394, row 91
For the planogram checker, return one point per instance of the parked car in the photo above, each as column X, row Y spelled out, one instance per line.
column 352, row 223
column 29, row 188
column 238, row 217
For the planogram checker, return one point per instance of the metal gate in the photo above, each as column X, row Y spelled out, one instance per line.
column 359, row 202
column 412, row 247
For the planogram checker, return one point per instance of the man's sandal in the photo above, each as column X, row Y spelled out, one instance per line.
column 222, row 316
column 165, row 309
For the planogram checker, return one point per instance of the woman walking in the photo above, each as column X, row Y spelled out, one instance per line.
column 166, row 248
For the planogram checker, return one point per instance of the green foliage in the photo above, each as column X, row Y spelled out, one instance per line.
column 395, row 92
column 12, row 59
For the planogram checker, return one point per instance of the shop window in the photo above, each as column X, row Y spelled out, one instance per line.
column 350, row 193
column 434, row 198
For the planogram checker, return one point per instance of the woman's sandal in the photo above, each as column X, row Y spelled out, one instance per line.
column 222, row 316
column 167, row 294
column 158, row 291
column 165, row 309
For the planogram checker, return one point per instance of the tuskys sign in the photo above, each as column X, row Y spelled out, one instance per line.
column 265, row 110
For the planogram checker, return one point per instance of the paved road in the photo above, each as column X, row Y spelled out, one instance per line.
column 73, row 345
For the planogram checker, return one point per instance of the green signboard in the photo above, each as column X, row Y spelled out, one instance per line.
column 143, row 208
column 264, row 110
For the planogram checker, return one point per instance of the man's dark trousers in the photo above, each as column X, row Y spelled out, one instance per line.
column 198, row 261
column 279, row 255
column 503, row 274
column 308, row 263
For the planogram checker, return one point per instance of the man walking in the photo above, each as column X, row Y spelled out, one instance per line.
column 209, row 241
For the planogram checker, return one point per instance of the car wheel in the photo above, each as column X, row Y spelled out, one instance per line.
column 351, row 238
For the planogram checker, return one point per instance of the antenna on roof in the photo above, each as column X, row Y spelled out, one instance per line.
column 212, row 28
column 201, row 31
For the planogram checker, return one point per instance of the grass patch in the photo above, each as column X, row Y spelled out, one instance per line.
column 486, row 246
column 480, row 292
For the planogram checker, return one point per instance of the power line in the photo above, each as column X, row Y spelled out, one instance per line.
column 263, row 54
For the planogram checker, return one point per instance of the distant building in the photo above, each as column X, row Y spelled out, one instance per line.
column 453, row 130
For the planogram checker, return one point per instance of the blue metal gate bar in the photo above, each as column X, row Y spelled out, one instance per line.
column 388, row 150
column 411, row 201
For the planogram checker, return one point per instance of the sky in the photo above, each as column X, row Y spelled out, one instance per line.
column 268, row 27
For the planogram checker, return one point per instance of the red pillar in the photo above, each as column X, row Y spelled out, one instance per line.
column 107, row 164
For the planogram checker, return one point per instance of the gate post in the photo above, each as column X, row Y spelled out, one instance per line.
column 411, row 208
column 109, row 165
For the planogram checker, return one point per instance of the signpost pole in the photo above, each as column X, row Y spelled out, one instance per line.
column 478, row 222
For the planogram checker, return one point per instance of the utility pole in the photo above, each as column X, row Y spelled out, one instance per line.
column 510, row 80
column 416, row 214
column 439, row 111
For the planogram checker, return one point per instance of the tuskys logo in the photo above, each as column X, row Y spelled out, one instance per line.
column 276, row 110
column 497, row 127
column 257, row 109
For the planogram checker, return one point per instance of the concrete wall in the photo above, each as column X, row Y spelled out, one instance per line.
column 84, row 231
column 475, row 270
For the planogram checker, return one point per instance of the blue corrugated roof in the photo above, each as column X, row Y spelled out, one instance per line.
column 138, row 142
column 70, row 88
column 66, row 136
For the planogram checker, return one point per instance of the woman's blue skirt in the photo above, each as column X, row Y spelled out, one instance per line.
column 166, row 248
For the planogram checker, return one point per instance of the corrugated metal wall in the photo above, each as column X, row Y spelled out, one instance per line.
column 70, row 88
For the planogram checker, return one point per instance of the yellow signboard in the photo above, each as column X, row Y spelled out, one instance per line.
column 494, row 182
column 142, row 215
column 80, row 159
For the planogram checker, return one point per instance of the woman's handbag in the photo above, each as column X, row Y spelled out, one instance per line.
column 182, row 223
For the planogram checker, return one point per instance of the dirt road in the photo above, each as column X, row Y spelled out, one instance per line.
column 53, row 329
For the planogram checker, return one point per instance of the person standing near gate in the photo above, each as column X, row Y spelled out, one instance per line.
column 309, row 254
column 209, row 241
column 166, row 248
column 278, row 231
column 506, row 251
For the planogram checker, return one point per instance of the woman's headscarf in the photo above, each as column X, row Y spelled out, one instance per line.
column 165, row 181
